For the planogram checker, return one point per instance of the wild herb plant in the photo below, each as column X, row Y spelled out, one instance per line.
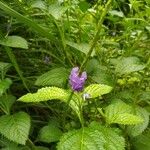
column 74, row 75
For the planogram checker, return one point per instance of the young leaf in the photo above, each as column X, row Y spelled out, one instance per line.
column 138, row 129
column 14, row 41
column 49, row 133
column 129, row 64
column 56, row 77
column 95, row 90
column 15, row 127
column 121, row 113
column 95, row 137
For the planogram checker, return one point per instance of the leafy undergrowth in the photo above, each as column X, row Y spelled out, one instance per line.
column 74, row 75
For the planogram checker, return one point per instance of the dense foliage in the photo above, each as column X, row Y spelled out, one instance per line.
column 74, row 74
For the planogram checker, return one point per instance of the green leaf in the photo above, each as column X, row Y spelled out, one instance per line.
column 49, row 133
column 15, row 127
column 142, row 142
column 54, row 93
column 45, row 94
column 11, row 146
column 56, row 77
column 99, row 73
column 4, row 85
column 56, row 10
column 138, row 129
column 84, row 6
column 41, row 148
column 38, row 4
column 95, row 137
column 116, row 13
column 128, row 65
column 120, row 113
column 22, row 18
column 14, row 41
column 6, row 101
column 82, row 47
column 95, row 90
column 4, row 67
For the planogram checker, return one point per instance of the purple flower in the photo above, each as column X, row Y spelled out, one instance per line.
column 76, row 80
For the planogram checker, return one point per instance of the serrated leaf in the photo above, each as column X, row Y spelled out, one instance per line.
column 49, row 133
column 6, row 101
column 45, row 94
column 4, row 85
column 129, row 64
column 82, row 47
column 91, row 138
column 138, row 129
column 15, row 127
column 95, row 90
column 14, row 41
column 121, row 113
column 54, row 93
column 56, row 77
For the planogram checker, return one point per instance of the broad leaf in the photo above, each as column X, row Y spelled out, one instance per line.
column 49, row 133
column 120, row 113
column 14, row 41
column 45, row 94
column 15, row 127
column 138, row 129
column 129, row 64
column 56, row 77
column 95, row 137
column 95, row 90
column 54, row 93
column 6, row 101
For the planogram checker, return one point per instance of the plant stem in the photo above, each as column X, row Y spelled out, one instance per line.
column 68, row 102
column 16, row 66
column 30, row 144
column 96, row 37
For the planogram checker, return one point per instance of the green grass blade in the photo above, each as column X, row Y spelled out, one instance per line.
column 25, row 20
column 15, row 64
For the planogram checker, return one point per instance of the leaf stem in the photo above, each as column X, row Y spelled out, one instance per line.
column 96, row 37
